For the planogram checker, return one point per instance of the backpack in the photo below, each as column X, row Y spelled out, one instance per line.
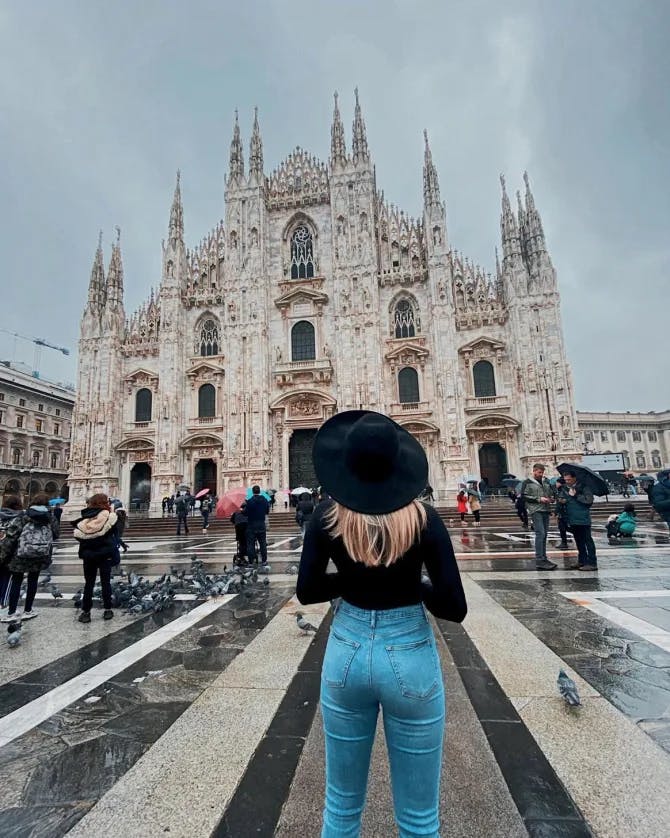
column 35, row 542
column 181, row 506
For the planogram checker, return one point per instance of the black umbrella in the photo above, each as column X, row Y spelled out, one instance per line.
column 585, row 476
column 643, row 478
column 510, row 481
column 508, row 476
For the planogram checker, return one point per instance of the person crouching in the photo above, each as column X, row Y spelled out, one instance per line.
column 97, row 536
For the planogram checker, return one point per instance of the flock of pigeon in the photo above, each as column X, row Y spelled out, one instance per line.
column 137, row 595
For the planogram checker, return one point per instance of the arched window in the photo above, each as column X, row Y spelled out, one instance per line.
column 54, row 461
column 303, row 344
column 640, row 459
column 656, row 459
column 484, row 378
column 404, row 320
column 408, row 386
column 209, row 338
column 143, row 401
column 302, row 253
column 16, row 457
column 206, row 401
column 36, row 458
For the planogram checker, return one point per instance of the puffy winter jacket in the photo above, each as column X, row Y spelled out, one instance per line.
column 660, row 496
column 578, row 506
column 7, row 546
column 96, row 533
column 627, row 523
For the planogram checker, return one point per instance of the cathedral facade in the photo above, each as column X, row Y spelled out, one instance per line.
column 315, row 296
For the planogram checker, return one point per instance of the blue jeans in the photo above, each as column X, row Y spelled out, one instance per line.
column 388, row 659
column 541, row 526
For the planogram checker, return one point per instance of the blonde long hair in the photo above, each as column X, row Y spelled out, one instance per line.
column 376, row 539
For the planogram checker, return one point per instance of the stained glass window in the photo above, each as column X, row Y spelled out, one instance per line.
column 303, row 344
column 302, row 253
column 408, row 386
column 209, row 338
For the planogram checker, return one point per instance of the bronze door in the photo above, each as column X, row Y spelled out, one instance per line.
column 300, row 465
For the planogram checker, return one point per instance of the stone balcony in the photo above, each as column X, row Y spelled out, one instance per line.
column 212, row 423
column 316, row 371
column 473, row 403
column 410, row 409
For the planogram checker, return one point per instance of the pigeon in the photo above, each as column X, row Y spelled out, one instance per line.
column 14, row 634
column 56, row 594
column 303, row 625
column 568, row 689
column 44, row 580
column 76, row 599
column 293, row 569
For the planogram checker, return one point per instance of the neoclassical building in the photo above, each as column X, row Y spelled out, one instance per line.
column 316, row 295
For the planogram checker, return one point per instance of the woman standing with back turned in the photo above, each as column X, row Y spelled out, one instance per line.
column 381, row 651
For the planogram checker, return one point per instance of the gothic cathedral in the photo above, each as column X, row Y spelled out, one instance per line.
column 314, row 296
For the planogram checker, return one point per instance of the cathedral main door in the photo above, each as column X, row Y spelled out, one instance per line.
column 300, row 466
column 492, row 463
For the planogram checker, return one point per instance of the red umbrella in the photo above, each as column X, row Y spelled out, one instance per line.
column 230, row 502
column 202, row 493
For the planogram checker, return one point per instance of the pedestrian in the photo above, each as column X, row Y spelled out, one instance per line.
column 205, row 510
column 562, row 517
column 182, row 507
column 170, row 504
column 539, row 495
column 660, row 495
column 121, row 524
column 462, row 505
column 272, row 501
column 11, row 509
column 521, row 511
column 257, row 511
column 97, row 535
column 381, row 651
column 239, row 521
column 27, row 547
column 484, row 488
column 304, row 511
column 474, row 502
column 578, row 499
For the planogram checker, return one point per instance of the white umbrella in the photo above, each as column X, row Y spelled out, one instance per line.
column 301, row 490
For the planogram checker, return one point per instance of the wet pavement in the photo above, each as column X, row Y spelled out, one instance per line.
column 611, row 628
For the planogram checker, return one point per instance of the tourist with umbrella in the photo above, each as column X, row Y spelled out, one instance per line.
column 257, row 510
column 577, row 498
column 205, row 507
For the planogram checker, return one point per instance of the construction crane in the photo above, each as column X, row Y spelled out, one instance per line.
column 39, row 344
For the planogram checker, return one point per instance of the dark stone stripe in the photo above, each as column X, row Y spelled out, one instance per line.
column 32, row 685
column 541, row 798
column 270, row 772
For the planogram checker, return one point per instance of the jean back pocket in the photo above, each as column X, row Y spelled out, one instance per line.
column 416, row 667
column 336, row 663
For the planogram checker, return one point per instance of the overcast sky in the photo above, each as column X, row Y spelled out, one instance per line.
column 101, row 102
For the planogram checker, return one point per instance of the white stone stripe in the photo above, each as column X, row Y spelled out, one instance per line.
column 40, row 709
column 648, row 631
column 603, row 573
column 663, row 592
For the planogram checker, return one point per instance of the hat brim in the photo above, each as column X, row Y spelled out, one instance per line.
column 370, row 497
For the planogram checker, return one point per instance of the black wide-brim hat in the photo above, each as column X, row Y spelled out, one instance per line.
column 369, row 463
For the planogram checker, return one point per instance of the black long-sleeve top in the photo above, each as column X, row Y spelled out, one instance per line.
column 379, row 588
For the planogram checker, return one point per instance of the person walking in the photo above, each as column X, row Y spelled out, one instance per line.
column 239, row 521
column 538, row 496
column 462, row 505
column 11, row 509
column 181, row 508
column 577, row 500
column 660, row 495
column 257, row 511
column 121, row 524
column 304, row 512
column 28, row 547
column 381, row 652
column 97, row 535
column 205, row 509
column 474, row 501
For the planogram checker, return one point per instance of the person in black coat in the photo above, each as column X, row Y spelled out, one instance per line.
column 98, row 537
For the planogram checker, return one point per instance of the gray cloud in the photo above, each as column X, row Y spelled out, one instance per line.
column 103, row 103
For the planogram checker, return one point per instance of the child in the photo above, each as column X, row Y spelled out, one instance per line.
column 462, row 504
column 623, row 525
